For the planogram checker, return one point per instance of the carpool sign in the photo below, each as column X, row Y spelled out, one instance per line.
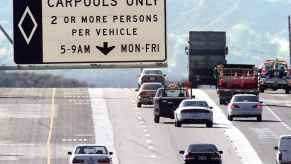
column 89, row 31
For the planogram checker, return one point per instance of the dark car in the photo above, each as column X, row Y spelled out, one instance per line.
column 166, row 102
column 202, row 154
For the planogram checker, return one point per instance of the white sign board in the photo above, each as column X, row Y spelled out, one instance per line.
column 98, row 31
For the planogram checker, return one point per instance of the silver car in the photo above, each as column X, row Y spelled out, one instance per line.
column 245, row 105
column 193, row 112
column 283, row 155
column 90, row 153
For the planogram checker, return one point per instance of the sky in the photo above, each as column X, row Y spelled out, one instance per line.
column 256, row 29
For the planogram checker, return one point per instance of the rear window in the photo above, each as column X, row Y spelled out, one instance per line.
column 285, row 144
column 175, row 93
column 91, row 150
column 195, row 103
column 246, row 99
column 202, row 148
column 153, row 72
column 151, row 86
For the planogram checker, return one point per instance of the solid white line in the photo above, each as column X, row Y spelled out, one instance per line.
column 102, row 125
column 244, row 149
column 278, row 118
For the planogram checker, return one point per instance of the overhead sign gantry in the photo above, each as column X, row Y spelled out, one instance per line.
column 89, row 31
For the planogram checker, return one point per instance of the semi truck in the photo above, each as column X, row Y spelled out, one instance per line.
column 205, row 50
column 234, row 79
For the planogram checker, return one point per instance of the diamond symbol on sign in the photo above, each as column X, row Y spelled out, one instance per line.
column 25, row 26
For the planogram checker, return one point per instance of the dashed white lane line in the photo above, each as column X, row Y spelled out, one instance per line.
column 102, row 124
column 278, row 118
column 243, row 148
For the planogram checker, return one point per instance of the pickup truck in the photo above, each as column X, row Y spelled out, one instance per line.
column 166, row 101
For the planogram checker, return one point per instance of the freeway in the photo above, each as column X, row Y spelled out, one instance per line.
column 39, row 126
column 264, row 135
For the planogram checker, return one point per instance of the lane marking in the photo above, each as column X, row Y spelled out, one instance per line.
column 243, row 147
column 278, row 118
column 103, row 129
column 52, row 116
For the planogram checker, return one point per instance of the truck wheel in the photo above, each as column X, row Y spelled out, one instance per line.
column 157, row 119
column 221, row 102
column 209, row 124
column 230, row 118
column 178, row 124
column 138, row 104
column 259, row 118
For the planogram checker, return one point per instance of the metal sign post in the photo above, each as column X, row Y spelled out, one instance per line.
column 95, row 31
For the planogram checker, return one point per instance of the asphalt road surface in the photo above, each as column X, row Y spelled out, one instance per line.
column 39, row 126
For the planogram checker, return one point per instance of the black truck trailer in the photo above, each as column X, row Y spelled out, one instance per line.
column 206, row 49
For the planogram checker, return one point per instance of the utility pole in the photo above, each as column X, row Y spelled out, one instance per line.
column 6, row 34
column 289, row 29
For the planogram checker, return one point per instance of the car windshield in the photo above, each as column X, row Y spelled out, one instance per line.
column 195, row 103
column 159, row 72
column 175, row 93
column 151, row 86
column 202, row 148
column 246, row 99
column 90, row 150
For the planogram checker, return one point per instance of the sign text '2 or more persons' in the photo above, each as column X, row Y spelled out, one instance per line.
column 110, row 30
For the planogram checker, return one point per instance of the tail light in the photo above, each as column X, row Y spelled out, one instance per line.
column 215, row 158
column 78, row 161
column 234, row 106
column 189, row 157
column 280, row 156
column 105, row 160
column 142, row 93
column 258, row 106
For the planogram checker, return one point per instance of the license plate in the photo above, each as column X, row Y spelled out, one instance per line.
column 152, row 78
column 192, row 115
column 202, row 158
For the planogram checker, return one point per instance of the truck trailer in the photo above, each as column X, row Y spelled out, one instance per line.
column 206, row 49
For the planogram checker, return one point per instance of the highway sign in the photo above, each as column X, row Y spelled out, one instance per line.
column 89, row 31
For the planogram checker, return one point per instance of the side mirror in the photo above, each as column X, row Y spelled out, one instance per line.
column 164, row 75
column 220, row 152
column 211, row 107
column 110, row 153
column 136, row 89
column 276, row 148
column 69, row 153
column 261, row 102
column 181, row 152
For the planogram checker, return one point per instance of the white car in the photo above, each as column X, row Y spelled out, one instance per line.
column 245, row 105
column 151, row 75
column 89, row 154
column 283, row 155
column 193, row 112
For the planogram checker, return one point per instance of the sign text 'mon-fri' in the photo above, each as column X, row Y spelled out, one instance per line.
column 96, row 31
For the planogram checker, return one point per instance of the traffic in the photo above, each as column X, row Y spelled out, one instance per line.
column 174, row 101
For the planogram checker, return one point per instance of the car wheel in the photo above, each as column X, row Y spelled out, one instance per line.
column 209, row 124
column 156, row 119
column 262, row 89
column 259, row 118
column 138, row 105
column 178, row 124
column 230, row 118
column 287, row 91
